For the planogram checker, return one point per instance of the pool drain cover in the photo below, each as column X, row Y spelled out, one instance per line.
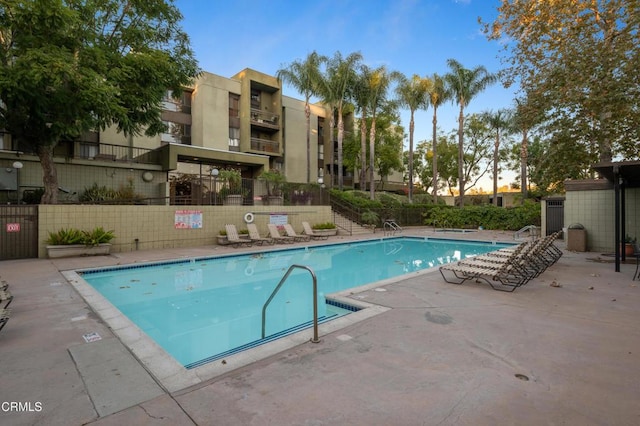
column 522, row 377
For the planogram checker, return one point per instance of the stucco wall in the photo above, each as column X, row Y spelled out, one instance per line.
column 154, row 228
column 594, row 209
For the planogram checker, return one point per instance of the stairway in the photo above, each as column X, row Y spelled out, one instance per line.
column 347, row 226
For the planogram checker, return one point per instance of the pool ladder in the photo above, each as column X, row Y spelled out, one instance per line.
column 315, row 300
column 390, row 227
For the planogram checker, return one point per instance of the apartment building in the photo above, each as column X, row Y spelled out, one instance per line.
column 242, row 122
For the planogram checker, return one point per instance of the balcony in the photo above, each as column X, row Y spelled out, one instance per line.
column 119, row 153
column 265, row 120
column 265, row 145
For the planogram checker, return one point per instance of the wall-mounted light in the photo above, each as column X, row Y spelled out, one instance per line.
column 147, row 176
column 17, row 165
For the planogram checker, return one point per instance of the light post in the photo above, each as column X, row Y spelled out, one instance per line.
column 17, row 165
column 214, row 175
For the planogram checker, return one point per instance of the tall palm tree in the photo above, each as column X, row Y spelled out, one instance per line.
column 412, row 94
column 340, row 74
column 523, row 121
column 463, row 84
column 501, row 122
column 437, row 96
column 360, row 93
column 304, row 76
column 379, row 84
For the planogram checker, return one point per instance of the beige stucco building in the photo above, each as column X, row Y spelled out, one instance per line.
column 242, row 122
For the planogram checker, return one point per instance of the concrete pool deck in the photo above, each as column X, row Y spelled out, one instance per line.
column 563, row 349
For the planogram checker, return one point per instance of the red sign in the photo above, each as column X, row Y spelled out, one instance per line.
column 13, row 227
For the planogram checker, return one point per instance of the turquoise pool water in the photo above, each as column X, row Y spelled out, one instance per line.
column 203, row 309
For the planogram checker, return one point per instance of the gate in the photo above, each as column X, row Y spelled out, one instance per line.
column 18, row 232
column 555, row 215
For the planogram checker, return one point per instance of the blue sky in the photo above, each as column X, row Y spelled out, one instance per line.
column 410, row 36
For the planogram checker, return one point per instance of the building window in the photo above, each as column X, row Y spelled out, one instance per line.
column 255, row 99
column 88, row 150
column 183, row 104
column 234, row 122
column 176, row 133
column 234, row 139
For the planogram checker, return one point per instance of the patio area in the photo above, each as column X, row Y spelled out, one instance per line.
column 563, row 349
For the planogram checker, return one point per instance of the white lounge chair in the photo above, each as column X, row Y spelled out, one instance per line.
column 288, row 229
column 255, row 237
column 308, row 230
column 275, row 234
column 233, row 237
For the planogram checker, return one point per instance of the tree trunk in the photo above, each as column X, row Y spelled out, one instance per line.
column 307, row 113
column 49, row 175
column 411, row 127
column 363, row 152
column 435, row 155
column 372, row 154
column 340, row 136
column 461, row 154
column 496, row 150
column 523, row 165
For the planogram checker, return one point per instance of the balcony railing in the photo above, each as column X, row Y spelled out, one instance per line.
column 265, row 145
column 265, row 119
column 108, row 152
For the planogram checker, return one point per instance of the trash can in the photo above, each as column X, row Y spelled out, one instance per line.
column 576, row 238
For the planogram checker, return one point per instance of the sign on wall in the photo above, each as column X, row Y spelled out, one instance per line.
column 188, row 219
column 278, row 218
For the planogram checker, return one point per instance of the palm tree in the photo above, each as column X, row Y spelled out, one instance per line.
column 304, row 76
column 379, row 83
column 361, row 92
column 463, row 84
column 339, row 76
column 501, row 123
column 523, row 121
column 437, row 96
column 412, row 94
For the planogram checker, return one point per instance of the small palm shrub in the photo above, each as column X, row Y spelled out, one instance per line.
column 70, row 236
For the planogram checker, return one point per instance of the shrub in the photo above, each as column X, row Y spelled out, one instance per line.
column 326, row 225
column 65, row 237
column 97, row 236
column 487, row 216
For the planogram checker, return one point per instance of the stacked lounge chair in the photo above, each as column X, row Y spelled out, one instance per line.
column 5, row 296
column 506, row 269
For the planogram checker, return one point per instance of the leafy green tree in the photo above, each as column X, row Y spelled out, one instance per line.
column 413, row 94
column 388, row 142
column 463, row 85
column 339, row 75
column 448, row 162
column 304, row 76
column 476, row 152
column 501, row 123
column 577, row 62
column 69, row 67
column 380, row 81
column 437, row 96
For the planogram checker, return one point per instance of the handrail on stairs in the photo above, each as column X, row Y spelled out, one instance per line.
column 533, row 232
column 315, row 300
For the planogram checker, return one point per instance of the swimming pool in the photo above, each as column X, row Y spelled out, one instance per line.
column 200, row 310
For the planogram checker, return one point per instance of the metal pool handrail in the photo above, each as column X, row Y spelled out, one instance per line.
column 315, row 300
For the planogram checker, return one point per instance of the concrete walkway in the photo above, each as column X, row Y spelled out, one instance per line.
column 564, row 349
